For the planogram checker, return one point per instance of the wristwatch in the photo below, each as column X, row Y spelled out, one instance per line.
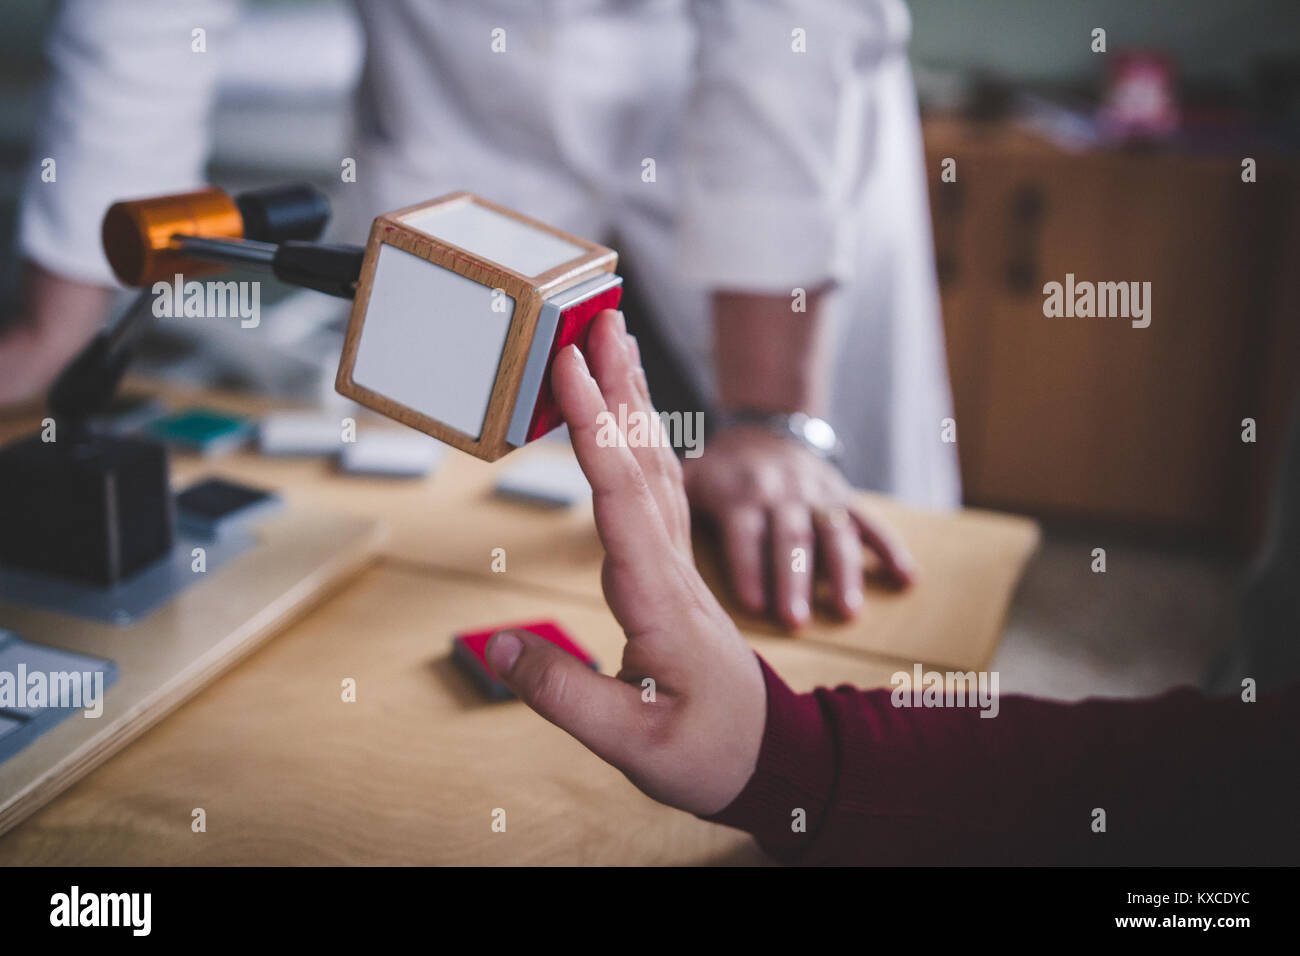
column 815, row 434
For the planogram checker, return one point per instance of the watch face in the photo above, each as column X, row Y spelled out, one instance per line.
column 816, row 434
column 819, row 434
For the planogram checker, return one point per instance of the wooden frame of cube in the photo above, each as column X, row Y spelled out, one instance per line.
column 529, row 292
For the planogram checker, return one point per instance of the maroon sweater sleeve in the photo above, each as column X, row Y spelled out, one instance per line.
column 1181, row 778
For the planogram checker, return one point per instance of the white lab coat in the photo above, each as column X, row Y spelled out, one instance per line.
column 773, row 169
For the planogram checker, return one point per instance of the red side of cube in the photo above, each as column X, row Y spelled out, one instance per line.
column 574, row 324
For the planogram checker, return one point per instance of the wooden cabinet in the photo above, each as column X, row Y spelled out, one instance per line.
column 1090, row 417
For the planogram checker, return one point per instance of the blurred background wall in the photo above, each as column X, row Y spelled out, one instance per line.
column 1036, row 40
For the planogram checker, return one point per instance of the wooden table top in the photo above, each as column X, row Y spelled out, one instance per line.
column 287, row 772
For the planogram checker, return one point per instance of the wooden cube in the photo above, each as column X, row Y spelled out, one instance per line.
column 461, row 306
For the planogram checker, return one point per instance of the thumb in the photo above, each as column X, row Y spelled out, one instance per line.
column 597, row 710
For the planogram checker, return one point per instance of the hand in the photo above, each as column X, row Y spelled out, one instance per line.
column 768, row 495
column 58, row 317
column 696, row 745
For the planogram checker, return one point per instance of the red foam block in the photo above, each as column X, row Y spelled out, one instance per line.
column 572, row 329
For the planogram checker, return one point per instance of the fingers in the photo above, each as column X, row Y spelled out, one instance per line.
column 599, row 711
column 840, row 549
column 643, row 386
column 796, row 534
column 889, row 547
column 743, row 537
column 792, row 563
column 615, row 363
column 628, row 519
column 673, row 473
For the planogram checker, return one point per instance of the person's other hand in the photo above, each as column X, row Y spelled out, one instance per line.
column 694, row 742
column 767, row 495
column 56, row 319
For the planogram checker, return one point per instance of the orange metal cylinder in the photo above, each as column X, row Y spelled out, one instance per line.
column 137, row 234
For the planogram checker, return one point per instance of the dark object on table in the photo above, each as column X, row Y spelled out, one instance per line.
column 87, row 507
column 208, row 507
